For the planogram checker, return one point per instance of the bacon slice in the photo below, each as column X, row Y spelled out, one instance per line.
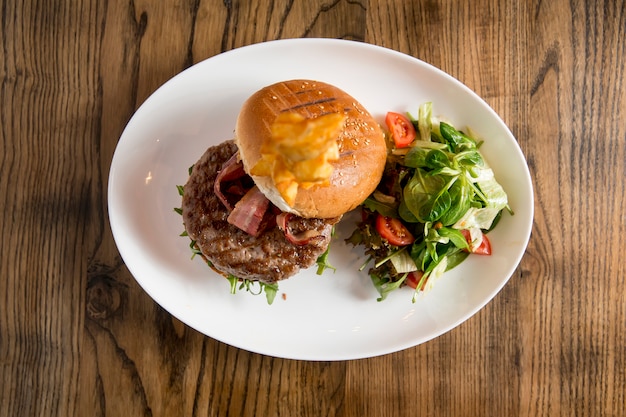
column 231, row 170
column 249, row 212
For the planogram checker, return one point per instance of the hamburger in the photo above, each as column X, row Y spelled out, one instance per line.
column 261, row 207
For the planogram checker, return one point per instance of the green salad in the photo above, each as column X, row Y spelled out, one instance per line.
column 437, row 201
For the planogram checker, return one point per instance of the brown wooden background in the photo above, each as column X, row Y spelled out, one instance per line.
column 78, row 337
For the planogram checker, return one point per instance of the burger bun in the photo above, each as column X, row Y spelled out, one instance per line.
column 361, row 144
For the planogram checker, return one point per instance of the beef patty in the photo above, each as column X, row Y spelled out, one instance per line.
column 269, row 257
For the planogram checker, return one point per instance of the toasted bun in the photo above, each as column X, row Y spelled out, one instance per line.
column 361, row 145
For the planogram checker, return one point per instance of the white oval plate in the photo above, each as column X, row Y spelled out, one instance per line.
column 328, row 317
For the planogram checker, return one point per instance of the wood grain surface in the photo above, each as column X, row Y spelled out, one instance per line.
column 79, row 337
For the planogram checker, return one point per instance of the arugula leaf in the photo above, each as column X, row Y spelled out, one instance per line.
column 270, row 291
column 233, row 281
column 322, row 262
column 384, row 286
column 194, row 249
column 238, row 284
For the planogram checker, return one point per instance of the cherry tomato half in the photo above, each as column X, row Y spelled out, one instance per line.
column 414, row 278
column 401, row 128
column 483, row 249
column 393, row 231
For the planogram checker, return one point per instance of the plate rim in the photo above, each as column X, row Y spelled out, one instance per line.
column 351, row 44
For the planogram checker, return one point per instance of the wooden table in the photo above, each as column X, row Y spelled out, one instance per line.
column 79, row 337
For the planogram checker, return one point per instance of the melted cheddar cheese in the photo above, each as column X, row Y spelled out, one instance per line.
column 299, row 152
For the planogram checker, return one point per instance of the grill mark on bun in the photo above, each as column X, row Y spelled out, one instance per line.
column 310, row 104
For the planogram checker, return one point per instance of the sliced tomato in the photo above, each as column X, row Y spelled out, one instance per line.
column 401, row 128
column 393, row 231
column 483, row 249
column 414, row 278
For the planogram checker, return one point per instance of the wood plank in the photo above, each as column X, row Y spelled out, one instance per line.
column 78, row 335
